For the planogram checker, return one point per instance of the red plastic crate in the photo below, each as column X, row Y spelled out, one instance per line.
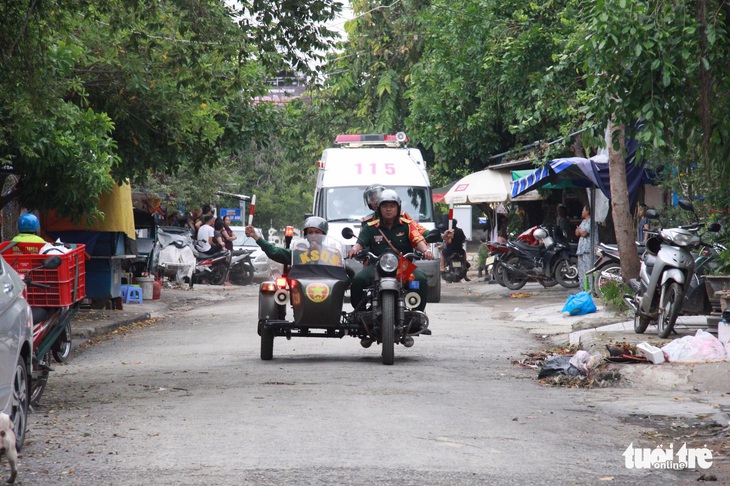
column 69, row 276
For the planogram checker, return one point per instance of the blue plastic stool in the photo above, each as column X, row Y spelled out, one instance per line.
column 133, row 293
column 124, row 292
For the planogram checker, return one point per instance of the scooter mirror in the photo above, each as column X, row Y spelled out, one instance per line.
column 347, row 233
column 714, row 227
column 52, row 262
column 652, row 214
column 686, row 205
column 433, row 236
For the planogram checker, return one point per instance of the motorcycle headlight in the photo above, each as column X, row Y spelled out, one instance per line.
column 680, row 237
column 388, row 263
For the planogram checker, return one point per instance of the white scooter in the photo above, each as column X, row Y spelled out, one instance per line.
column 667, row 268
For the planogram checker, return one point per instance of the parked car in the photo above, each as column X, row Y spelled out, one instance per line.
column 261, row 263
column 16, row 348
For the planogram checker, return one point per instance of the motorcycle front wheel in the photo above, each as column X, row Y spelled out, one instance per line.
column 387, row 327
column 670, row 304
column 61, row 349
column 511, row 280
column 40, row 378
column 217, row 274
column 242, row 274
column 610, row 272
column 566, row 274
column 640, row 323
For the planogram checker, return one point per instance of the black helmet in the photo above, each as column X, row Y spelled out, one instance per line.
column 372, row 192
column 315, row 222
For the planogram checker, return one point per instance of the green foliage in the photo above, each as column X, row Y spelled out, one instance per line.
column 94, row 93
column 612, row 294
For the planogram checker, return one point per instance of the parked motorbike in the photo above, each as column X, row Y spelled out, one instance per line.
column 211, row 269
column 497, row 251
column 607, row 267
column 667, row 274
column 550, row 262
column 315, row 285
column 51, row 328
column 456, row 266
column 242, row 271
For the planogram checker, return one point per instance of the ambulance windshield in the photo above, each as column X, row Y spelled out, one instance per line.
column 346, row 203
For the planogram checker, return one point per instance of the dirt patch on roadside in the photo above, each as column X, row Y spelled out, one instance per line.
column 702, row 431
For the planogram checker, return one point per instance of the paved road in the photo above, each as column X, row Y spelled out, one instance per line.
column 186, row 400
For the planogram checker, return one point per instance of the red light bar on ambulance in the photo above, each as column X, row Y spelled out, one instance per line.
column 372, row 139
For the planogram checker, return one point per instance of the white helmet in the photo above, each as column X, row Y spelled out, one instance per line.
column 540, row 234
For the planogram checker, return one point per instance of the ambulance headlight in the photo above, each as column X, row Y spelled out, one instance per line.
column 388, row 263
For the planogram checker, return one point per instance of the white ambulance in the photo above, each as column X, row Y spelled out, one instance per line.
column 359, row 161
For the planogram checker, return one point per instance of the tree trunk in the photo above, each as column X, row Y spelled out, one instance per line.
column 622, row 221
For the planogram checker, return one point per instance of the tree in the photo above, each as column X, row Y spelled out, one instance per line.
column 644, row 60
column 124, row 88
column 493, row 76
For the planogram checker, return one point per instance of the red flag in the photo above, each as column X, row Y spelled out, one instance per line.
column 405, row 269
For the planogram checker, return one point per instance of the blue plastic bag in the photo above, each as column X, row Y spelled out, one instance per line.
column 579, row 304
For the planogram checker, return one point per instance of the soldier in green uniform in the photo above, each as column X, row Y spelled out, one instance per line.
column 371, row 196
column 402, row 233
column 312, row 225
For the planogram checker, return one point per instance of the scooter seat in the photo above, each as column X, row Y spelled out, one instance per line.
column 527, row 248
column 205, row 256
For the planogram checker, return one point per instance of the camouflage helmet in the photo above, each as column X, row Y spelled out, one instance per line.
column 372, row 192
column 315, row 222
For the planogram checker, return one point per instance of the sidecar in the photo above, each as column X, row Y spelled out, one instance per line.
column 311, row 292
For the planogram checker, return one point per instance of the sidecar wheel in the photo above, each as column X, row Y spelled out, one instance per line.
column 267, row 344
column 388, row 328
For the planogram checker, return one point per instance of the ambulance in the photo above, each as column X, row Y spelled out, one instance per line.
column 358, row 161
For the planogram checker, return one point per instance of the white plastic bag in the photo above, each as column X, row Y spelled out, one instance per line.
column 703, row 346
column 584, row 362
column 57, row 248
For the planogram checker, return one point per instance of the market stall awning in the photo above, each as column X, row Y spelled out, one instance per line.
column 485, row 186
column 573, row 171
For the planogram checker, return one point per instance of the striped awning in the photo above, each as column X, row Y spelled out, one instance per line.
column 577, row 170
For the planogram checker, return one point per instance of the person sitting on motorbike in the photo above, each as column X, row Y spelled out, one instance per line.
column 454, row 240
column 205, row 242
column 389, row 228
column 28, row 226
column 371, row 197
column 313, row 228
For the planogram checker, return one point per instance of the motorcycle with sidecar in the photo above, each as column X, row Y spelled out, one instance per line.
column 313, row 289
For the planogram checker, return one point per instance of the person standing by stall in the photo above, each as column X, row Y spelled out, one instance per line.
column 583, row 232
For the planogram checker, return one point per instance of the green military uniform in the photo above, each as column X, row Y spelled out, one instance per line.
column 279, row 255
column 404, row 236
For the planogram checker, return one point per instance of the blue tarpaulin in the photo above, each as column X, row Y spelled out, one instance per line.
column 584, row 173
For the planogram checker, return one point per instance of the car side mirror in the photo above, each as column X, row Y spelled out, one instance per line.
column 347, row 233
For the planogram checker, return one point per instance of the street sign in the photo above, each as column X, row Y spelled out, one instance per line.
column 233, row 213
